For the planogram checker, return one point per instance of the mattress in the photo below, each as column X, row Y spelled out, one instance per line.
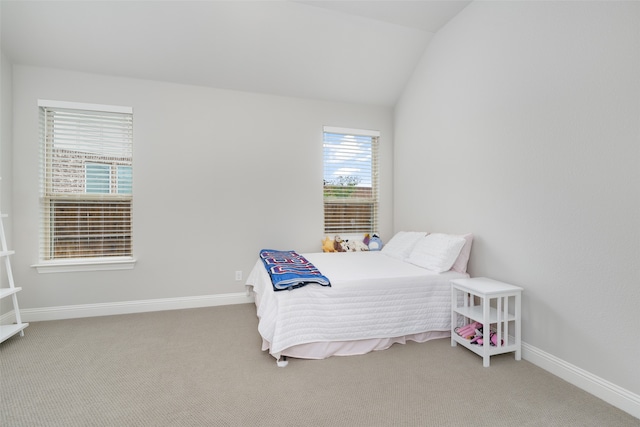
column 372, row 297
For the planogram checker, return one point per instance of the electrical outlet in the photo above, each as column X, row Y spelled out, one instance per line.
column 238, row 275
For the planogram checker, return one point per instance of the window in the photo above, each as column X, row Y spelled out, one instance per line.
column 104, row 178
column 350, row 181
column 97, row 178
column 86, row 181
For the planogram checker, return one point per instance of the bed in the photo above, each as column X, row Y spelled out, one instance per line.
column 375, row 299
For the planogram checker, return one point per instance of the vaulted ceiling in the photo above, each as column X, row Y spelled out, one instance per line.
column 350, row 51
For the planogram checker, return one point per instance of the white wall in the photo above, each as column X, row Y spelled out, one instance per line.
column 218, row 175
column 522, row 124
column 6, row 169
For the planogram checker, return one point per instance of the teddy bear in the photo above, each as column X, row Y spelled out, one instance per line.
column 356, row 246
column 328, row 245
column 339, row 245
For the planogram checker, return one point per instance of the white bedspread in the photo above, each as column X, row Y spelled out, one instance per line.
column 371, row 296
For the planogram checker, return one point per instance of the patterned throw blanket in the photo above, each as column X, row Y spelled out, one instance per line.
column 290, row 270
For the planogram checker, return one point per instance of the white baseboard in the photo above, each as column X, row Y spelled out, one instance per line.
column 603, row 389
column 127, row 307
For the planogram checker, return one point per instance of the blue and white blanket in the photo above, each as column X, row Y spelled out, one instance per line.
column 290, row 270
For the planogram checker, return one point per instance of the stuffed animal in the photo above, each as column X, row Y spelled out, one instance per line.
column 327, row 245
column 356, row 246
column 375, row 244
column 339, row 245
column 366, row 239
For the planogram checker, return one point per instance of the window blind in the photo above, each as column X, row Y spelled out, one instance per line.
column 350, row 181
column 86, row 181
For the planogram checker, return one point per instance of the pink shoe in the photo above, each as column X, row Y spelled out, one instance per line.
column 494, row 340
column 469, row 330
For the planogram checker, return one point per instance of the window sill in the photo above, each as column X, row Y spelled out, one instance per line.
column 100, row 264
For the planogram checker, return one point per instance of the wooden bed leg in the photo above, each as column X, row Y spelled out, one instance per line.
column 282, row 362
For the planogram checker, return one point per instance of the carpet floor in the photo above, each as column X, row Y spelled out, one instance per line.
column 204, row 367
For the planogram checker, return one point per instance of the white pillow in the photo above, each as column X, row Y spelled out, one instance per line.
column 437, row 252
column 401, row 245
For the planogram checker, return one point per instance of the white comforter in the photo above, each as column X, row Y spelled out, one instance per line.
column 371, row 296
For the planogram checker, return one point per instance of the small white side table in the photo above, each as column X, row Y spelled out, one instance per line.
column 494, row 304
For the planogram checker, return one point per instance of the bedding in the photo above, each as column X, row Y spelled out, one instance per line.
column 374, row 301
column 463, row 259
column 436, row 251
column 290, row 270
column 402, row 243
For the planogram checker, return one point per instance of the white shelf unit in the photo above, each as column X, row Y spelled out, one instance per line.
column 7, row 331
column 496, row 305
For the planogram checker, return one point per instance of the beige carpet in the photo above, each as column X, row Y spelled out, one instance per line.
column 204, row 367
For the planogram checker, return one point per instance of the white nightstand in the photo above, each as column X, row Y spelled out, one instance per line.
column 494, row 304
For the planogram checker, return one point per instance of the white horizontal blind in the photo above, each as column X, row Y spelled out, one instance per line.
column 350, row 181
column 86, row 175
